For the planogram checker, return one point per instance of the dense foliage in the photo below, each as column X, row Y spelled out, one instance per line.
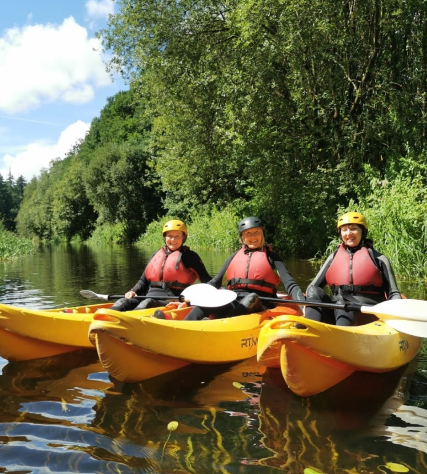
column 292, row 110
column 279, row 103
column 11, row 194
column 105, row 180
column 12, row 246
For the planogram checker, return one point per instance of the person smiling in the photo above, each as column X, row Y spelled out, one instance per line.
column 252, row 271
column 169, row 270
column 354, row 272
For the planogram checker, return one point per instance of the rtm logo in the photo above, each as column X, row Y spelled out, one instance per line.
column 249, row 342
column 403, row 345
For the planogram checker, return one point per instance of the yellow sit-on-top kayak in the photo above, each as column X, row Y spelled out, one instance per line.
column 317, row 356
column 133, row 348
column 27, row 334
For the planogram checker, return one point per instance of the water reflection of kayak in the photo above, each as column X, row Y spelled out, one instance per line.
column 63, row 372
column 332, row 430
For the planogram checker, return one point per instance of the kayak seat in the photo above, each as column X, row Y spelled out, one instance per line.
column 360, row 319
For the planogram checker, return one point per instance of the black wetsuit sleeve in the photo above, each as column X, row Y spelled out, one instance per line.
column 218, row 278
column 143, row 284
column 320, row 279
column 291, row 287
column 390, row 285
column 192, row 260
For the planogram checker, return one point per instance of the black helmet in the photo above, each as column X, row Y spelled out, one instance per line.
column 249, row 223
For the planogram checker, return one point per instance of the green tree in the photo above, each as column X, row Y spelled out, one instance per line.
column 277, row 103
column 121, row 187
column 72, row 213
column 35, row 213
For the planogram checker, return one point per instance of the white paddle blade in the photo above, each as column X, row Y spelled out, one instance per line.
column 213, row 300
column 404, row 309
column 208, row 296
column 198, row 290
column 413, row 328
column 92, row 295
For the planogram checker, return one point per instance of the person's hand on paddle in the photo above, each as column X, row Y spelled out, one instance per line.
column 130, row 294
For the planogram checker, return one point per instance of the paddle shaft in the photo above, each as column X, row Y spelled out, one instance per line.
column 173, row 298
column 346, row 306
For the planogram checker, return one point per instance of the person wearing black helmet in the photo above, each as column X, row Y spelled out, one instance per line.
column 354, row 272
column 252, row 271
column 169, row 270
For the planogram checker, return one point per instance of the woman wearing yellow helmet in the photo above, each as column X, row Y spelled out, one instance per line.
column 354, row 272
column 169, row 270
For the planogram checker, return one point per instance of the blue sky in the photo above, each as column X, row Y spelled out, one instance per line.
column 53, row 80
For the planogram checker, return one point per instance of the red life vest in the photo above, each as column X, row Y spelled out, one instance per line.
column 354, row 272
column 251, row 270
column 167, row 269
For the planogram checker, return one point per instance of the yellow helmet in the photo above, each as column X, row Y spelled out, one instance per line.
column 175, row 225
column 352, row 218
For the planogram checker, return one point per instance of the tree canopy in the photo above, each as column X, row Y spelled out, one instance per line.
column 291, row 110
column 277, row 103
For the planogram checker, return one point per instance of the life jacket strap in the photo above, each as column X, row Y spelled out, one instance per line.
column 246, row 281
column 355, row 289
column 166, row 285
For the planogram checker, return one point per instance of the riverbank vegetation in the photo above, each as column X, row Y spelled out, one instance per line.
column 293, row 111
column 12, row 246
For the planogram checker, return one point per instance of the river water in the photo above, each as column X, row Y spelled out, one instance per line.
column 64, row 414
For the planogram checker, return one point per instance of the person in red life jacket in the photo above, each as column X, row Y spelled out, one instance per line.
column 354, row 272
column 168, row 272
column 252, row 271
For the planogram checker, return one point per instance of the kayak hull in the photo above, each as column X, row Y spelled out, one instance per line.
column 27, row 334
column 320, row 356
column 134, row 349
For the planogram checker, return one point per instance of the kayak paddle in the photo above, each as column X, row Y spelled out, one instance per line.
column 200, row 294
column 96, row 296
column 405, row 315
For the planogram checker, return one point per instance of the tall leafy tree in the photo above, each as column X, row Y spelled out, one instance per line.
column 122, row 189
column 281, row 103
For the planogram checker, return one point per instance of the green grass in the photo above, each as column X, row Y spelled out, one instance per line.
column 107, row 234
column 216, row 230
column 12, row 246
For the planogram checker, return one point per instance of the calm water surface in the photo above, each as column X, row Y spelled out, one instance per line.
column 64, row 414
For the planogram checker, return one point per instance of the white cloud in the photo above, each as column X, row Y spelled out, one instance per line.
column 49, row 63
column 30, row 161
column 99, row 9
